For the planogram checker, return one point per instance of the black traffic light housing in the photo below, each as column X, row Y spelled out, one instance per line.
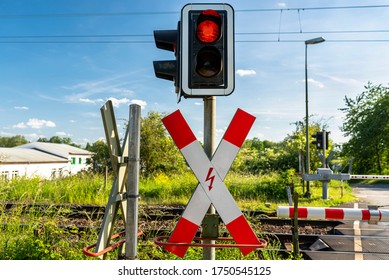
column 207, row 50
column 321, row 138
column 168, row 69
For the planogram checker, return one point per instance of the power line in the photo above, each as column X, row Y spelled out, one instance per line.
column 147, row 13
column 152, row 42
column 315, row 8
column 25, row 39
column 327, row 41
column 16, row 16
column 314, row 32
column 79, row 42
column 151, row 35
column 72, row 36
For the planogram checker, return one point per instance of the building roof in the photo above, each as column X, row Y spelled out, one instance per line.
column 15, row 156
column 61, row 150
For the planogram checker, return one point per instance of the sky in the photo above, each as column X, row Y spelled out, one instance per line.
column 62, row 60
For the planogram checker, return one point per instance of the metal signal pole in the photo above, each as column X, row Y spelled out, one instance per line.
column 209, row 148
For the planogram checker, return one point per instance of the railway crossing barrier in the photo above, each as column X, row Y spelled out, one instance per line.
column 325, row 175
column 211, row 188
column 378, row 215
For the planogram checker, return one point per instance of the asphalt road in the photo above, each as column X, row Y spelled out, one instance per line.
column 373, row 194
column 360, row 240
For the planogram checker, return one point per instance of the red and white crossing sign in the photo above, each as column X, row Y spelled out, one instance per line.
column 210, row 175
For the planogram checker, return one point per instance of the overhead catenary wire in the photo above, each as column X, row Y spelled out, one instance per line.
column 123, row 38
column 151, row 35
column 25, row 39
column 143, row 13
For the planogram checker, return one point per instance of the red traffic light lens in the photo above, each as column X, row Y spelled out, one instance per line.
column 208, row 26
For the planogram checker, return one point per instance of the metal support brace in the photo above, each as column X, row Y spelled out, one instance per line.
column 117, row 194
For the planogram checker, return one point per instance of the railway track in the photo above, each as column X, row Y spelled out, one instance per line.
column 157, row 221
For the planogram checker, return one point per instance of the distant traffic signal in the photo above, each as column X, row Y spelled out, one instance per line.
column 207, row 50
column 321, row 138
column 168, row 69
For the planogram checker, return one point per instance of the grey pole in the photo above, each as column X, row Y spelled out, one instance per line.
column 307, row 157
column 209, row 148
column 324, row 165
column 132, row 193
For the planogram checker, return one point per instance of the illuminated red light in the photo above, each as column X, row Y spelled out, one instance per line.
column 208, row 28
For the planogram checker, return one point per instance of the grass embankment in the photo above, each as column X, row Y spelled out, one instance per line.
column 39, row 237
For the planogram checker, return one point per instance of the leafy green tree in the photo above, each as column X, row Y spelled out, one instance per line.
column 297, row 141
column 100, row 155
column 12, row 141
column 158, row 153
column 258, row 156
column 59, row 140
column 367, row 125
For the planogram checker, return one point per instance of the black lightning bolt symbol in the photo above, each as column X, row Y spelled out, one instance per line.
column 210, row 178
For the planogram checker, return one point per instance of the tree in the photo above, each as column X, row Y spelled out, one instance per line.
column 100, row 155
column 367, row 125
column 12, row 141
column 59, row 140
column 258, row 156
column 158, row 151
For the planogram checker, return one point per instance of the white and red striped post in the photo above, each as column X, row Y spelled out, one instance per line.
column 320, row 213
column 211, row 188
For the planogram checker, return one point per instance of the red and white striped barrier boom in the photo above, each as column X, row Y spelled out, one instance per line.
column 211, row 188
column 319, row 213
column 370, row 177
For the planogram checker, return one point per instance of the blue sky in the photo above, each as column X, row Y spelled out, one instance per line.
column 54, row 76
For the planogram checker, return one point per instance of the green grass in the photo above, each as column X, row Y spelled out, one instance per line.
column 83, row 189
column 248, row 190
column 40, row 237
column 34, row 237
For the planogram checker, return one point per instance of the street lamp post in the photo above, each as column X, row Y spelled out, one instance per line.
column 308, row 42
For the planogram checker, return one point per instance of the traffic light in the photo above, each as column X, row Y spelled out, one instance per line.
column 321, row 138
column 168, row 69
column 207, row 50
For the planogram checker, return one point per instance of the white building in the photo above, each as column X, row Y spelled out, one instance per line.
column 45, row 160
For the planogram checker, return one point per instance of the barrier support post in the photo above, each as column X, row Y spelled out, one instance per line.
column 296, row 249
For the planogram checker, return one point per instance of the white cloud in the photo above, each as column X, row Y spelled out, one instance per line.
column 117, row 102
column 344, row 80
column 62, row 134
column 20, row 125
column 316, row 83
column 21, row 108
column 281, row 4
column 91, row 101
column 244, row 72
column 35, row 124
column 116, row 85
column 141, row 103
column 33, row 136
